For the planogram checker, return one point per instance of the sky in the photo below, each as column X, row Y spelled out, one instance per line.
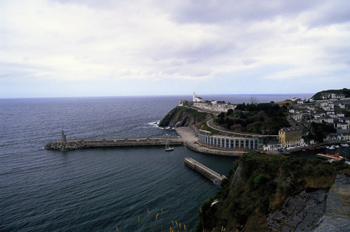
column 77, row 48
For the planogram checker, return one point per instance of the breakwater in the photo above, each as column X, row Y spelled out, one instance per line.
column 64, row 145
column 213, row 176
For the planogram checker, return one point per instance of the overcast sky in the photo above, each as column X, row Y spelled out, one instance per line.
column 67, row 48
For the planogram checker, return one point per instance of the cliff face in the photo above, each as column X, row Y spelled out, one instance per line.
column 271, row 193
column 182, row 116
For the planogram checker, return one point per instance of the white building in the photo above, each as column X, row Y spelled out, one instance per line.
column 196, row 99
column 229, row 143
column 342, row 106
column 213, row 106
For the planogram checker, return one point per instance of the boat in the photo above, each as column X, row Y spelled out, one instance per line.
column 344, row 145
column 337, row 146
column 331, row 147
column 167, row 147
column 330, row 156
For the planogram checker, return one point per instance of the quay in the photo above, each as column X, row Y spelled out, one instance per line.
column 186, row 137
column 213, row 176
column 65, row 145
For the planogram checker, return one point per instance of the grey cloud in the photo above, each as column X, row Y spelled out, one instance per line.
column 335, row 12
column 194, row 53
column 249, row 61
column 105, row 4
column 188, row 70
column 199, row 11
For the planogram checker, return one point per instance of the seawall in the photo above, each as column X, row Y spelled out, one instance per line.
column 117, row 142
column 213, row 176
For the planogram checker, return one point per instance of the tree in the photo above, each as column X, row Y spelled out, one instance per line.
column 253, row 100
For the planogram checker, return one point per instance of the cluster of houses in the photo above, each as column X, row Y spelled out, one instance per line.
column 322, row 111
column 332, row 96
column 330, row 111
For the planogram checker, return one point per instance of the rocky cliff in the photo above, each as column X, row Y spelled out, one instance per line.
column 183, row 116
column 273, row 193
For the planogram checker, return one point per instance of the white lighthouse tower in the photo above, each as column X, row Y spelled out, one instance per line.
column 196, row 99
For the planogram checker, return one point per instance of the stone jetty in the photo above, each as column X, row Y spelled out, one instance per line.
column 65, row 145
column 213, row 176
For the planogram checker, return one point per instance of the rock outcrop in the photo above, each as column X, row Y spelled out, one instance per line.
column 182, row 116
column 300, row 212
column 278, row 193
column 320, row 210
column 336, row 217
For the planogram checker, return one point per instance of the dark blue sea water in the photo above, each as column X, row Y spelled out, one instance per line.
column 98, row 189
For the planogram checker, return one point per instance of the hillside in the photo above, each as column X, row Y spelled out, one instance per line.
column 183, row 116
column 264, row 118
column 318, row 95
column 261, row 188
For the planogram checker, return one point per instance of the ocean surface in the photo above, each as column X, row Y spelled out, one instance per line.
column 100, row 189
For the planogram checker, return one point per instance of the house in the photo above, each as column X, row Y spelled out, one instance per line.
column 343, row 126
column 290, row 136
column 300, row 102
column 328, row 120
column 332, row 96
column 297, row 117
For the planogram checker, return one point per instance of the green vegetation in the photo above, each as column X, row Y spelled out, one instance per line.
column 264, row 118
column 319, row 131
column 347, row 113
column 204, row 126
column 194, row 113
column 265, row 182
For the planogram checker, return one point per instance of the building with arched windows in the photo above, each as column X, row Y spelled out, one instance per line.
column 234, row 143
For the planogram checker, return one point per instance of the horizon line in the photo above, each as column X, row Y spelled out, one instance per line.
column 157, row 95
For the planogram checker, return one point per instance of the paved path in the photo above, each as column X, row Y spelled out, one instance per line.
column 187, row 134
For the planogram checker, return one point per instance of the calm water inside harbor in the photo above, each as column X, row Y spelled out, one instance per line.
column 99, row 189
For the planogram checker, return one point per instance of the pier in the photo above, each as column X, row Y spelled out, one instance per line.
column 213, row 176
column 186, row 137
column 65, row 145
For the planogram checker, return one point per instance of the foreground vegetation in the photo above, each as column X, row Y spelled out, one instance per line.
column 262, row 185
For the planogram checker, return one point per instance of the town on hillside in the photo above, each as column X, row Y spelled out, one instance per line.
column 291, row 125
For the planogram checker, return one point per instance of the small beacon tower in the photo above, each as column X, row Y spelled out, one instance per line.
column 64, row 139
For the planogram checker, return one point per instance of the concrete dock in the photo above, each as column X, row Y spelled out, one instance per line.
column 213, row 176
column 64, row 145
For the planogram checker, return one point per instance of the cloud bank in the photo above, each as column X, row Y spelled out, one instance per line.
column 65, row 42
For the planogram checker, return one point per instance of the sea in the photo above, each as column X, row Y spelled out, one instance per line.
column 134, row 189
